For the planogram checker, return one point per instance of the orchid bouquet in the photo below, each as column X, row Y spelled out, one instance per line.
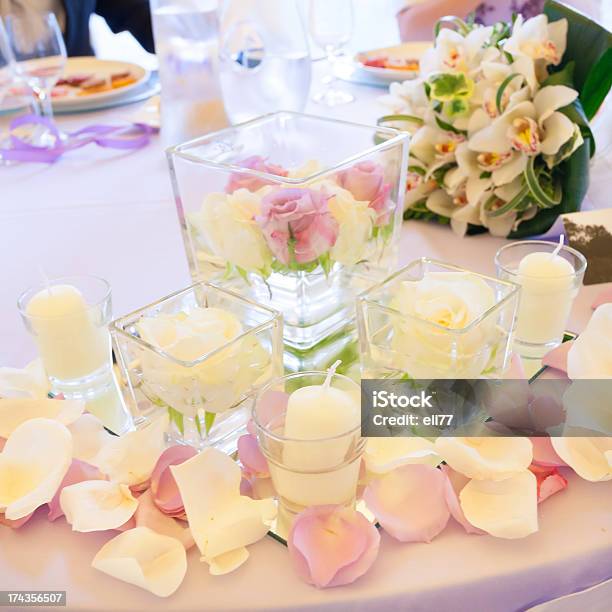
column 501, row 140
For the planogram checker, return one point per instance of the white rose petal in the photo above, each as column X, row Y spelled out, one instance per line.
column 228, row 562
column 14, row 412
column 486, row 458
column 503, row 508
column 130, row 459
column 34, row 461
column 590, row 458
column 591, row 353
column 30, row 381
column 88, row 438
column 382, row 455
column 97, row 505
column 154, row 562
column 221, row 520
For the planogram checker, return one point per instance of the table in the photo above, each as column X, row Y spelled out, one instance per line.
column 111, row 213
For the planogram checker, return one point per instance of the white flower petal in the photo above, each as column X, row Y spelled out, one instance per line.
column 130, row 458
column 524, row 66
column 154, row 562
column 478, row 120
column 552, row 97
column 505, row 508
column 97, row 505
column 494, row 138
column 228, row 562
column 510, row 170
column 30, row 381
column 590, row 458
column 88, row 438
column 383, row 455
column 486, row 458
column 440, row 203
column 557, row 34
column 221, row 520
column 591, row 353
column 14, row 412
column 34, row 461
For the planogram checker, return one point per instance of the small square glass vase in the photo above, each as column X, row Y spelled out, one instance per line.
column 432, row 320
column 228, row 351
column 298, row 212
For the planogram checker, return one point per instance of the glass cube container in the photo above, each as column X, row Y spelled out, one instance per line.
column 298, row 212
column 431, row 320
column 198, row 354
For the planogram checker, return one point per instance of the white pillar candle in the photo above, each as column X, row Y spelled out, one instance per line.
column 318, row 469
column 547, row 291
column 70, row 344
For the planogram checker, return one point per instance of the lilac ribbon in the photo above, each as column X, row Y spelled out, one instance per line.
column 133, row 136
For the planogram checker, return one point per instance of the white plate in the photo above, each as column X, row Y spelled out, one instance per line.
column 102, row 68
column 412, row 50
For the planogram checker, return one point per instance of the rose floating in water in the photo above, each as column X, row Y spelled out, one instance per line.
column 263, row 225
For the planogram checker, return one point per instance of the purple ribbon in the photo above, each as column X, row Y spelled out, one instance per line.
column 133, row 136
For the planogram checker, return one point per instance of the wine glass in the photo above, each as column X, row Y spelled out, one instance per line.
column 7, row 64
column 40, row 54
column 331, row 27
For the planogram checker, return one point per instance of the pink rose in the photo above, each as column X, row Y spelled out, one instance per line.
column 332, row 545
column 239, row 180
column 365, row 180
column 300, row 219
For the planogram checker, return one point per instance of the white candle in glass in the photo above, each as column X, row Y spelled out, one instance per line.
column 547, row 291
column 71, row 345
column 320, row 424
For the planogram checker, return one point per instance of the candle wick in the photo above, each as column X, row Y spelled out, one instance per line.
column 330, row 372
column 558, row 247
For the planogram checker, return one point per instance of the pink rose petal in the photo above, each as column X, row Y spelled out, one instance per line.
column 550, row 481
column 270, row 409
column 455, row 481
column 79, row 471
column 332, row 545
column 140, row 487
column 165, row 491
column 515, row 371
column 544, row 454
column 410, row 502
column 557, row 358
column 605, row 297
column 15, row 524
column 149, row 515
column 251, row 457
column 2, row 443
column 241, row 180
column 129, row 524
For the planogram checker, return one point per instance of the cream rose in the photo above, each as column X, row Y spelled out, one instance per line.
column 225, row 226
column 434, row 338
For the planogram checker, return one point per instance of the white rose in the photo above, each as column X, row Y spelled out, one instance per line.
column 219, row 380
column 355, row 221
column 225, row 225
column 435, row 306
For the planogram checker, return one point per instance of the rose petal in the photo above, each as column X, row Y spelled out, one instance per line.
column 486, row 458
column 590, row 458
column 544, row 454
column 251, row 457
column 97, row 505
column 549, row 480
column 34, row 461
column 453, row 486
column 409, row 502
column 221, row 520
column 78, row 471
column 516, row 370
column 332, row 545
column 228, row 562
column 590, row 355
column 605, row 297
column 131, row 458
column 149, row 515
column 270, row 409
column 154, row 562
column 503, row 508
column 30, row 381
column 88, row 437
column 557, row 358
column 163, row 486
column 15, row 411
column 382, row 455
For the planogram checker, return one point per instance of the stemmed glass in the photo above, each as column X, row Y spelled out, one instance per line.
column 7, row 64
column 331, row 27
column 40, row 54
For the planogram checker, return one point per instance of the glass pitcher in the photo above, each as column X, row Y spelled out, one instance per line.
column 186, row 42
column 264, row 58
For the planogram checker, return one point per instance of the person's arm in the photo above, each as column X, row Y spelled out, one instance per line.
column 131, row 15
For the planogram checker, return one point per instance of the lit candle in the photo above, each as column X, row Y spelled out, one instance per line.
column 71, row 345
column 318, row 464
column 547, row 293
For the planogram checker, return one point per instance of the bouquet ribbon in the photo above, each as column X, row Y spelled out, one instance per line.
column 126, row 137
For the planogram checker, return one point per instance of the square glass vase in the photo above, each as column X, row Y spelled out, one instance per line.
column 199, row 355
column 431, row 320
column 297, row 212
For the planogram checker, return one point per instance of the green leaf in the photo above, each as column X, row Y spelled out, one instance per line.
column 541, row 196
column 177, row 418
column 460, row 25
column 485, row 175
column 456, row 108
column 507, row 206
column 565, row 76
column 417, row 170
column 439, row 173
column 597, row 85
column 447, row 86
column 587, row 42
column 243, row 274
column 326, row 263
column 443, row 125
column 209, row 419
column 198, row 425
column 502, row 88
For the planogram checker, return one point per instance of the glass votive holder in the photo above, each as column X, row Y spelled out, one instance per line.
column 550, row 276
column 198, row 355
column 433, row 320
column 310, row 434
column 68, row 318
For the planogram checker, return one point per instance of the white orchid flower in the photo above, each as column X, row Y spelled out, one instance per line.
column 408, row 98
column 538, row 39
